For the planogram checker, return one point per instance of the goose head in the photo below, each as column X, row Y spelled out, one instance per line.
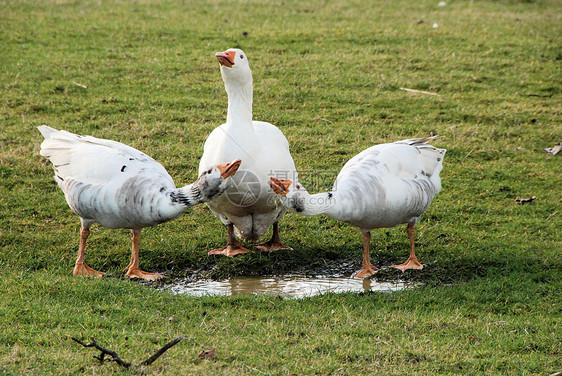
column 235, row 67
column 215, row 180
column 292, row 196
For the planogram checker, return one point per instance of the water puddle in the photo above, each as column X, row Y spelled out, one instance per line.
column 290, row 287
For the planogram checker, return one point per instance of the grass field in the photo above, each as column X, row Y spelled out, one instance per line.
column 328, row 74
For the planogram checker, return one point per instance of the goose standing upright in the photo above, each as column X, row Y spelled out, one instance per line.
column 383, row 186
column 247, row 208
column 118, row 186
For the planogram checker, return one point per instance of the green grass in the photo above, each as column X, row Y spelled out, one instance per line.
column 328, row 75
column 482, row 327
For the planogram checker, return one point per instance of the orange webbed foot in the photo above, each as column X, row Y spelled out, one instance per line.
column 273, row 246
column 84, row 270
column 230, row 250
column 411, row 263
column 137, row 273
column 366, row 271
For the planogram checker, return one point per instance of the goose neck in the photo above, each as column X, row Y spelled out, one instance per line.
column 239, row 104
column 316, row 204
column 187, row 196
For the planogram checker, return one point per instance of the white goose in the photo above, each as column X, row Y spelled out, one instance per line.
column 118, row 186
column 383, row 186
column 248, row 208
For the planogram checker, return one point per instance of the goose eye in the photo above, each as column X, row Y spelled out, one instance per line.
column 210, row 170
column 241, row 56
column 298, row 186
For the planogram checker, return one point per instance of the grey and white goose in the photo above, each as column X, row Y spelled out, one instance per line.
column 383, row 186
column 117, row 186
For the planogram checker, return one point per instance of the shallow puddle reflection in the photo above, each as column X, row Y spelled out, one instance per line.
column 296, row 287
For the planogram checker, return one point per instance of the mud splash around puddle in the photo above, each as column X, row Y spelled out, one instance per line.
column 285, row 286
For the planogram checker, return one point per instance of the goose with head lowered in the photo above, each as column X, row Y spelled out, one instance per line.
column 383, row 186
column 117, row 186
column 248, row 208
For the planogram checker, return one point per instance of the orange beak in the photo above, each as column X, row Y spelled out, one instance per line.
column 226, row 58
column 280, row 186
column 228, row 169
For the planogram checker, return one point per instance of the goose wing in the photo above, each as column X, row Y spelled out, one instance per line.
column 95, row 161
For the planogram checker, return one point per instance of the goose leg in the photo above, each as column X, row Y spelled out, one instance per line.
column 132, row 270
column 412, row 262
column 81, row 268
column 233, row 247
column 275, row 243
column 367, row 269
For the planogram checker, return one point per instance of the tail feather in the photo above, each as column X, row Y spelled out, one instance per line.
column 417, row 141
column 56, row 146
column 431, row 157
column 46, row 131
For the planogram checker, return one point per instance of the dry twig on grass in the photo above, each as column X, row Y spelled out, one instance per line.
column 414, row 91
column 82, row 86
column 115, row 357
column 158, row 353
